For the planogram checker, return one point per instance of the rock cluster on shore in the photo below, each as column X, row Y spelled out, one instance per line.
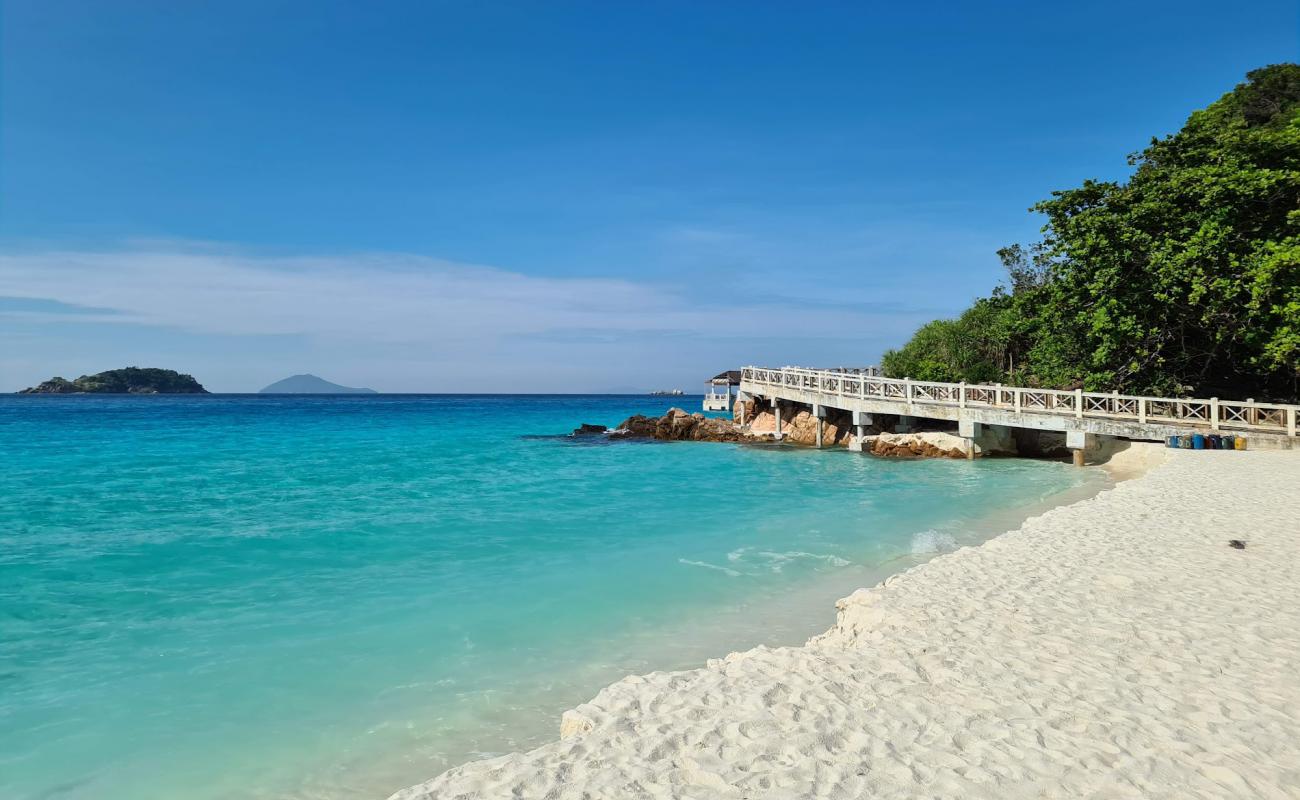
column 928, row 444
column 679, row 426
column 801, row 427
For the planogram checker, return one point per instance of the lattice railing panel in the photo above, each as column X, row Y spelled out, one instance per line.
column 867, row 384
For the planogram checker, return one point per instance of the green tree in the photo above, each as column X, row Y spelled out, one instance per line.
column 1183, row 279
column 971, row 348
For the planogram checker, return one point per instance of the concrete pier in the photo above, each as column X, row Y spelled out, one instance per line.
column 988, row 414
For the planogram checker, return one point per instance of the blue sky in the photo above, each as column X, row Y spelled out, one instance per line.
column 552, row 196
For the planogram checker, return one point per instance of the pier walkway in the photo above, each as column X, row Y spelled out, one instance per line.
column 981, row 409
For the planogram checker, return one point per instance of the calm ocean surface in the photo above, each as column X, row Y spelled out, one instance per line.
column 333, row 597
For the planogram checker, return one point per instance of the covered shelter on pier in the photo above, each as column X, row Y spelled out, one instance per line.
column 720, row 396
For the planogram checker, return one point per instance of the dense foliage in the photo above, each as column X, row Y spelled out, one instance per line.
column 1183, row 280
column 131, row 380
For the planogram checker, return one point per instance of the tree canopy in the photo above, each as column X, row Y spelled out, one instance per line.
column 1185, row 279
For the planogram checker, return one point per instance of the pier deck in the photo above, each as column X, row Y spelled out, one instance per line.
column 1082, row 416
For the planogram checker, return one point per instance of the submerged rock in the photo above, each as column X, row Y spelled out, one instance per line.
column 587, row 429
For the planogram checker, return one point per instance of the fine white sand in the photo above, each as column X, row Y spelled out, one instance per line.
column 1115, row 648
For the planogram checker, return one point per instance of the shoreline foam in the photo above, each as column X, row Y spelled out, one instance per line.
column 1114, row 646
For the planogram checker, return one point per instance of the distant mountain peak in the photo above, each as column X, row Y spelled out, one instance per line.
column 311, row 384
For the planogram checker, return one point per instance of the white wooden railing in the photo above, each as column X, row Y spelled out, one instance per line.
column 1214, row 413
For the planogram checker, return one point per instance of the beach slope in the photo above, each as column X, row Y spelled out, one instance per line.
column 1117, row 647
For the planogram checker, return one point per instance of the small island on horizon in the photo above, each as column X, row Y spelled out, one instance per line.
column 311, row 384
column 129, row 380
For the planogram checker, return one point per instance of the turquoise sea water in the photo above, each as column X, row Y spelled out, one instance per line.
column 333, row 597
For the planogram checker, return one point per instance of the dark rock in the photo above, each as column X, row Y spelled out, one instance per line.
column 639, row 425
column 679, row 426
column 587, row 429
column 1237, row 544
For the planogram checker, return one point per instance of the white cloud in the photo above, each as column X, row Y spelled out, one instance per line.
column 380, row 298
column 363, row 306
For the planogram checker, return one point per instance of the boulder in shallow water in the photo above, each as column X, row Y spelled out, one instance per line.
column 930, row 444
column 679, row 426
column 638, row 425
column 587, row 429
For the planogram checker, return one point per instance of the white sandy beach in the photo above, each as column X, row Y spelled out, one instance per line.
column 1117, row 647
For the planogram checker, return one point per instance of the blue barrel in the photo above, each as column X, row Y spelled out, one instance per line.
column 1172, row 442
column 1198, row 441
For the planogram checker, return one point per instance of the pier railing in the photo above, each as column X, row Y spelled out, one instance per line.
column 1214, row 414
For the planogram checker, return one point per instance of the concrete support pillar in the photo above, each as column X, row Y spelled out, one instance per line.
column 776, row 410
column 861, row 420
column 1080, row 443
column 819, row 411
column 970, row 431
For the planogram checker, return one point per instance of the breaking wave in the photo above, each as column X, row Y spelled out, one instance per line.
column 731, row 572
column 932, row 541
column 776, row 562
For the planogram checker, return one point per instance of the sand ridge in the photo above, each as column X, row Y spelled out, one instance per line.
column 1116, row 647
